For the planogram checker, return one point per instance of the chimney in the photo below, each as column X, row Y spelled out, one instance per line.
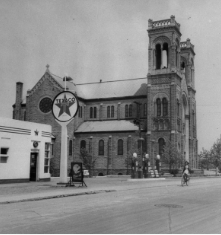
column 19, row 88
column 18, row 100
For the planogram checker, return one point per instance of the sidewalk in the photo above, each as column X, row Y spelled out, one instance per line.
column 34, row 191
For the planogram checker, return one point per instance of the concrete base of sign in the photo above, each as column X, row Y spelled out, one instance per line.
column 62, row 184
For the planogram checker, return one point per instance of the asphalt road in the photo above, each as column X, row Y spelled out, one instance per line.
column 163, row 207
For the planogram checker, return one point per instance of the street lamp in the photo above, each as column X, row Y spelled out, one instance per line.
column 153, row 142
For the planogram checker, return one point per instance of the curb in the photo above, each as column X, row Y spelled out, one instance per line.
column 57, row 196
column 153, row 179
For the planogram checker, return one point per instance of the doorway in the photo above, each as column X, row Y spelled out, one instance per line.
column 33, row 166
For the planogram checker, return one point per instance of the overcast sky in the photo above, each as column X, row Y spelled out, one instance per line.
column 91, row 40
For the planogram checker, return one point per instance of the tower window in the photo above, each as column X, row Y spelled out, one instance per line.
column 158, row 107
column 165, row 56
column 182, row 66
column 158, row 56
column 165, row 107
column 177, row 56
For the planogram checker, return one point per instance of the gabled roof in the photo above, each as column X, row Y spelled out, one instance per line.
column 106, row 126
column 113, row 89
column 106, row 89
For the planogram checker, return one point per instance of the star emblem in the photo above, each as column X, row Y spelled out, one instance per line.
column 36, row 132
column 64, row 106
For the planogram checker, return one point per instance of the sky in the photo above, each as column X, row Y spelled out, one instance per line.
column 91, row 40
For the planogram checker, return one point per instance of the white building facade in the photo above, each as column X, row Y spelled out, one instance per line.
column 25, row 151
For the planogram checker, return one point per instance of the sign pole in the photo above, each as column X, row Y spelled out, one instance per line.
column 64, row 151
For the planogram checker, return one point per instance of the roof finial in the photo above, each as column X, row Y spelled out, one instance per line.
column 47, row 68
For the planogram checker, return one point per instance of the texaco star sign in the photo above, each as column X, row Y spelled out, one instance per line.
column 65, row 106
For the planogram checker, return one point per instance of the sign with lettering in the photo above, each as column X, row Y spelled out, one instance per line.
column 65, row 106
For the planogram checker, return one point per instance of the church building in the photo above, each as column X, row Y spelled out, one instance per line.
column 116, row 118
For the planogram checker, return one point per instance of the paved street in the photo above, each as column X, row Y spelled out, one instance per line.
column 135, row 207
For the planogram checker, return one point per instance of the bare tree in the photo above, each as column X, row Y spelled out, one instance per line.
column 171, row 155
column 87, row 160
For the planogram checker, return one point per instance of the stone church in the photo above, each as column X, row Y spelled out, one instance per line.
column 116, row 118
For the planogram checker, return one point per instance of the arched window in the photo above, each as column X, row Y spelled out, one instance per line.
column 83, row 144
column 138, row 110
column 101, row 147
column 95, row 112
column 108, row 111
column 80, row 112
column 70, row 147
column 178, row 108
column 130, row 110
column 120, row 147
column 177, row 53
column 158, row 56
column 158, row 107
column 145, row 110
column 165, row 56
column 112, row 111
column 91, row 112
column 126, row 110
column 161, row 143
column 165, row 107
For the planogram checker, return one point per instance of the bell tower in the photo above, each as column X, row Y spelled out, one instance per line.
column 169, row 83
column 164, row 46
